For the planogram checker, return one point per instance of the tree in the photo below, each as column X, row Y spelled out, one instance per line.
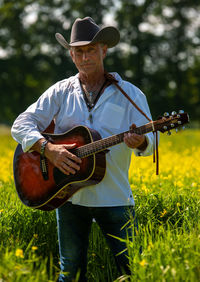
column 158, row 52
column 163, row 42
column 32, row 59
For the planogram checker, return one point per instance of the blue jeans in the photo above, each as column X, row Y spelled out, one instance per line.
column 74, row 225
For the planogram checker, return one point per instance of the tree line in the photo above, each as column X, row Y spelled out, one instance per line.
column 159, row 50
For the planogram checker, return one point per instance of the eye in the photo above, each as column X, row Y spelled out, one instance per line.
column 78, row 51
column 92, row 51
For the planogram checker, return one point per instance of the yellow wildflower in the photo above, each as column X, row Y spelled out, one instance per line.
column 143, row 263
column 34, row 248
column 19, row 253
column 144, row 188
column 163, row 213
column 178, row 183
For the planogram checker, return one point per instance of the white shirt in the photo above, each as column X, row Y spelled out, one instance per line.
column 113, row 113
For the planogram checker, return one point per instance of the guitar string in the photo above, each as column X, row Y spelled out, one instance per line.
column 109, row 141
column 102, row 144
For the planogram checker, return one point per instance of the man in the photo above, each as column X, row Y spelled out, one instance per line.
column 89, row 99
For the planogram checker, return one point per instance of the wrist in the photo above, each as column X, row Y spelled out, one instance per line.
column 42, row 148
column 143, row 146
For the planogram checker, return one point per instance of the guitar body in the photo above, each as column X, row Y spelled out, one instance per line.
column 36, row 192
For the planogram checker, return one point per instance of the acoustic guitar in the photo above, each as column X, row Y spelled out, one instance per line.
column 41, row 185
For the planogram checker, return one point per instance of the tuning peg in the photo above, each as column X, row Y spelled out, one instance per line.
column 169, row 133
column 174, row 113
column 172, row 125
column 179, row 122
column 166, row 114
column 165, row 127
column 181, row 112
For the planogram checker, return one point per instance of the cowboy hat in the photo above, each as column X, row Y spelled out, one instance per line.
column 85, row 31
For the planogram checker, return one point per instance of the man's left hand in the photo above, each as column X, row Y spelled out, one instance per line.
column 133, row 140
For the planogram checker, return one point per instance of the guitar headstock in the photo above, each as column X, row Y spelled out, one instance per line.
column 169, row 122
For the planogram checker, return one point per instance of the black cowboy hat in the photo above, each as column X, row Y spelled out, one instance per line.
column 86, row 31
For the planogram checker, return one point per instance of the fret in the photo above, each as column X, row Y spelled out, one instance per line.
column 102, row 144
column 98, row 145
column 143, row 129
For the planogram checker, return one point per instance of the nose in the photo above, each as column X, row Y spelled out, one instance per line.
column 85, row 56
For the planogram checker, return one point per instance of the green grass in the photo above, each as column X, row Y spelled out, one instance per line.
column 168, row 210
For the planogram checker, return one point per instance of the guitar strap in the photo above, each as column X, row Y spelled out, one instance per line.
column 112, row 80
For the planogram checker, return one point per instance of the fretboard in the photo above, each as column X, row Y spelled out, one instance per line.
column 103, row 144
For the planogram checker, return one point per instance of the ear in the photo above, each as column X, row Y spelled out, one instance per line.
column 104, row 50
column 71, row 54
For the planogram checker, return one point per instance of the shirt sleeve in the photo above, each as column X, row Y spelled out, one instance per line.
column 28, row 126
column 149, row 149
column 139, row 119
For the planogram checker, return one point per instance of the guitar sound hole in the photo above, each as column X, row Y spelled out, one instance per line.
column 60, row 177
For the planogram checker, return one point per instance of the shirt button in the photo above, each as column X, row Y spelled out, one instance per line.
column 90, row 118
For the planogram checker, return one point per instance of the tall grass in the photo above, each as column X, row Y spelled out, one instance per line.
column 168, row 210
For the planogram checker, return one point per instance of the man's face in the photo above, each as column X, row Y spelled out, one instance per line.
column 89, row 59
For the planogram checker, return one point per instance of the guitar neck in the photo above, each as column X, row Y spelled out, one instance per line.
column 103, row 144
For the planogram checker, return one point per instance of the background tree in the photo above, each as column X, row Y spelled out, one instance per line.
column 162, row 56
column 31, row 58
column 159, row 49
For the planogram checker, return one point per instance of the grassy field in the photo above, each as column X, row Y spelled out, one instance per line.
column 168, row 210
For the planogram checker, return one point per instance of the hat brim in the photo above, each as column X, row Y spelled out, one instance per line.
column 108, row 35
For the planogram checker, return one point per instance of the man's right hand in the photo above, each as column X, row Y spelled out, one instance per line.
column 60, row 156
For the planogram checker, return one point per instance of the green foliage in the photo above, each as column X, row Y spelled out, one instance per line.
column 159, row 50
column 163, row 42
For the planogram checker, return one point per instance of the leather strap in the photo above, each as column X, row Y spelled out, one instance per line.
column 114, row 81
